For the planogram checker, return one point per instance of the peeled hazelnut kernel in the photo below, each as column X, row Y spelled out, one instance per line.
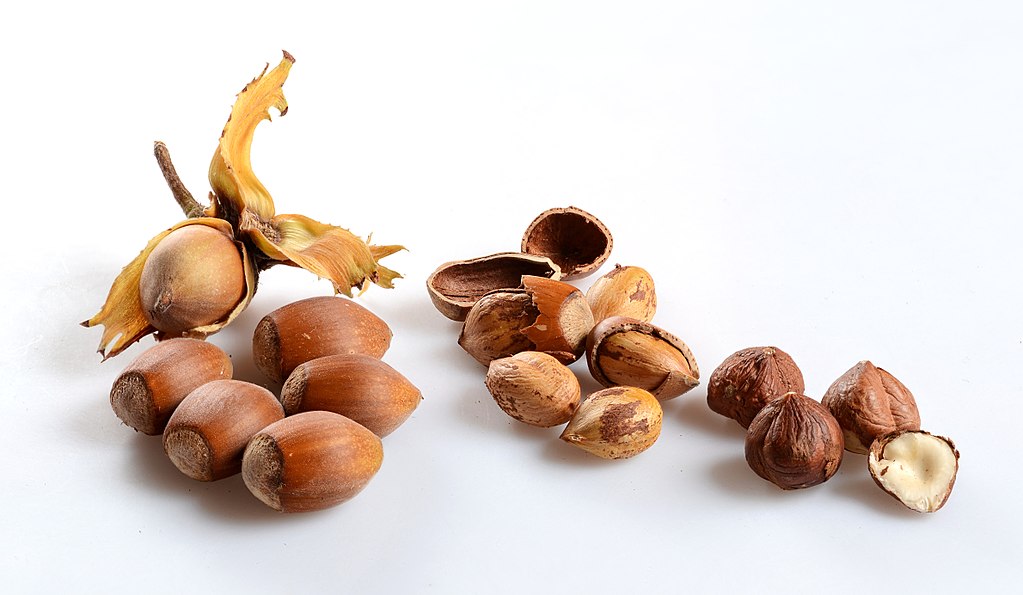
column 624, row 291
column 315, row 327
column 575, row 240
column 615, row 423
column 193, row 278
column 207, row 433
column 794, row 442
column 310, row 461
column 359, row 387
column 915, row 467
column 456, row 286
column 868, row 402
column 750, row 378
column 534, row 388
column 149, row 389
column 622, row 351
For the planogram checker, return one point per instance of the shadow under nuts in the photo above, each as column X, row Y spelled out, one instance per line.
column 623, row 351
column 794, row 442
column 615, row 423
column 316, row 327
column 310, row 461
column 868, row 403
column 750, row 378
column 534, row 388
column 359, row 387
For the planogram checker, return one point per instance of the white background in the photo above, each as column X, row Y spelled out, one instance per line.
column 842, row 180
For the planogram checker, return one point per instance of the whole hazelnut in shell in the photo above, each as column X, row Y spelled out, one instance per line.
column 868, row 402
column 623, row 291
column 615, row 423
column 534, row 388
column 750, row 378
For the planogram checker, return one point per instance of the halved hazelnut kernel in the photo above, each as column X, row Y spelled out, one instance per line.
column 575, row 240
column 456, row 286
column 915, row 467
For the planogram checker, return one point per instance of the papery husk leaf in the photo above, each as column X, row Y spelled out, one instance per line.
column 231, row 175
column 328, row 251
column 122, row 316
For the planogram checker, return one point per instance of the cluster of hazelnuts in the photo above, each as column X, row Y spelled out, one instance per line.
column 316, row 444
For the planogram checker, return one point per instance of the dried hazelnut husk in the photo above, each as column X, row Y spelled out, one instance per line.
column 359, row 387
column 543, row 315
column 868, row 402
column 575, row 240
column 456, row 286
column 750, row 378
column 615, row 423
column 315, row 327
column 623, row 351
column 794, row 442
column 207, row 433
column 915, row 467
column 534, row 388
column 152, row 386
column 623, row 291
column 310, row 461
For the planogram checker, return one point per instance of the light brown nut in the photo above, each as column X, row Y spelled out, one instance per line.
column 150, row 388
column 622, row 351
column 575, row 240
column 624, row 291
column 615, row 423
column 310, row 461
column 915, row 467
column 456, row 286
column 868, row 402
column 750, row 378
column 534, row 388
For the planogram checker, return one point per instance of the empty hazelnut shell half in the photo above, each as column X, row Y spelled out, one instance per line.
column 456, row 286
column 915, row 467
column 575, row 240
column 748, row 379
column 868, row 402
column 615, row 423
column 623, row 351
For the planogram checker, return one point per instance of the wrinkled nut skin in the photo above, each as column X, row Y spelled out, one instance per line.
column 575, row 240
column 310, row 461
column 794, row 442
column 624, row 291
column 152, row 386
column 359, row 387
column 207, row 433
column 193, row 278
column 615, row 423
column 868, row 402
column 534, row 388
column 316, row 327
column 456, row 286
column 623, row 351
column 750, row 378
column 877, row 465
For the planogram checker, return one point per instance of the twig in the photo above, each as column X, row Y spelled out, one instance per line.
column 188, row 204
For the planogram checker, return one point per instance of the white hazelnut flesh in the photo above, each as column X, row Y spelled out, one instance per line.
column 915, row 467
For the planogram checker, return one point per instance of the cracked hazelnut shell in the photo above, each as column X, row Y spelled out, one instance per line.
column 575, row 240
column 868, row 402
column 750, row 378
column 623, row 351
column 456, row 286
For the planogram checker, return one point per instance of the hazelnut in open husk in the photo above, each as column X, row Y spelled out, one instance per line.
column 622, row 351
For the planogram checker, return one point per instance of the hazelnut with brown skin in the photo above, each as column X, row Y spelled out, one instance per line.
column 868, row 402
column 748, row 379
column 622, row 351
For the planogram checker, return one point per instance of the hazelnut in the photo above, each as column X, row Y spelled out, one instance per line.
column 455, row 286
column 575, row 240
column 149, row 389
column 623, row 291
column 748, row 379
column 622, row 351
column 794, row 442
column 315, row 327
column 359, row 387
column 310, row 461
column 615, row 423
column 868, row 402
column 207, row 433
column 534, row 388
column 914, row 467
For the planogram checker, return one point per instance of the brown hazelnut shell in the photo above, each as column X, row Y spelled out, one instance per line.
column 749, row 379
column 615, row 423
column 534, row 388
column 648, row 357
column 575, row 240
column 868, row 402
column 564, row 318
column 623, row 291
column 456, row 286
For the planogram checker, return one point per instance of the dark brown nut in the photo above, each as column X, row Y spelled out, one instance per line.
column 207, row 433
column 534, row 388
column 456, row 286
column 316, row 327
column 750, row 378
column 868, row 402
column 915, row 467
column 310, row 461
column 622, row 351
column 544, row 315
column 624, row 291
column 615, row 423
column 359, row 387
column 149, row 390
column 575, row 240
column 794, row 442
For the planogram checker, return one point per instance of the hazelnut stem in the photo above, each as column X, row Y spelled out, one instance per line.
column 184, row 198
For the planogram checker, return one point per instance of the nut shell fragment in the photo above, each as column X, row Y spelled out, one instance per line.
column 868, row 402
column 456, row 286
column 615, row 423
column 575, row 240
column 622, row 351
column 915, row 467
column 749, row 379
column 624, row 291
column 534, row 388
